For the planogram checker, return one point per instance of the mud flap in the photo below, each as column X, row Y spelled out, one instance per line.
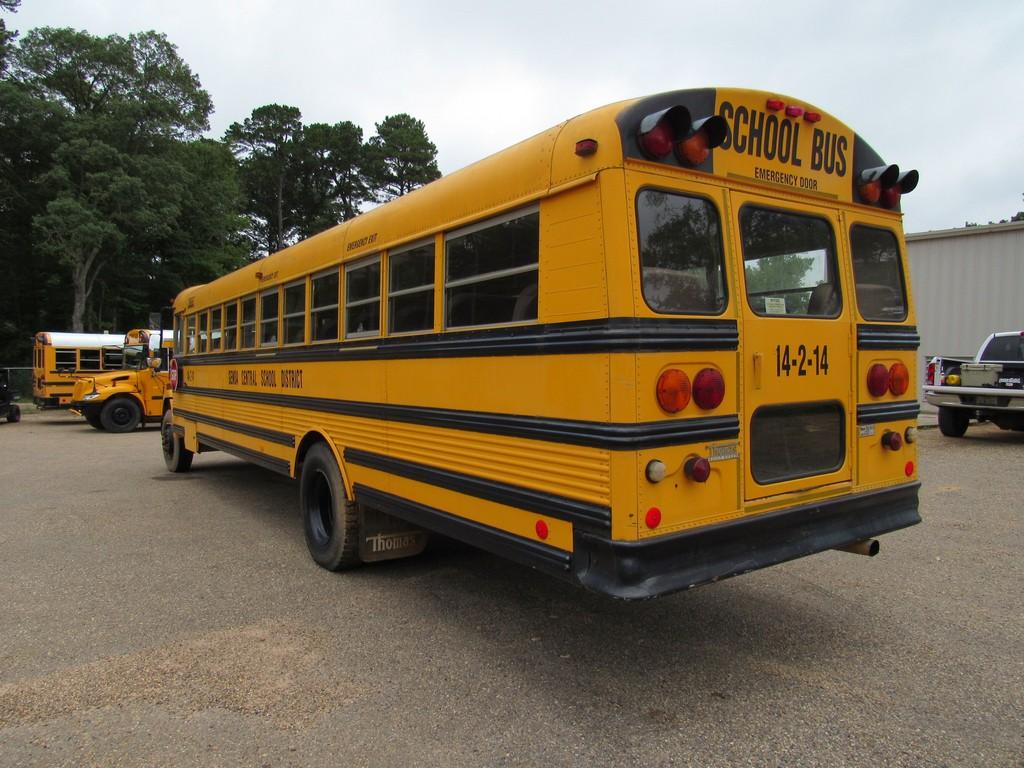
column 383, row 537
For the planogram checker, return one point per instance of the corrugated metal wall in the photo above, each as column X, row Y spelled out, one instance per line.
column 967, row 283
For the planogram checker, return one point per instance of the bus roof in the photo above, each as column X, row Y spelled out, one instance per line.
column 814, row 154
column 80, row 340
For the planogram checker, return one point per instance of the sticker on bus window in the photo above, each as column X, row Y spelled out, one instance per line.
column 775, row 305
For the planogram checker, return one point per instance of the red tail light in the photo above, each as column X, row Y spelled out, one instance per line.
column 698, row 469
column 708, row 389
column 899, row 378
column 673, row 390
column 657, row 142
column 878, row 380
column 929, row 375
column 892, row 440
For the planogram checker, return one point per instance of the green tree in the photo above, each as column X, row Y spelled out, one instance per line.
column 133, row 205
column 267, row 146
column 333, row 185
column 400, row 157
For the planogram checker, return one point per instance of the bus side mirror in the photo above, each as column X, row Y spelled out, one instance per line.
column 154, row 363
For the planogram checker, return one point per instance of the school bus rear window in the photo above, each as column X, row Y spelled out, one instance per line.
column 680, row 253
column 877, row 273
column 789, row 263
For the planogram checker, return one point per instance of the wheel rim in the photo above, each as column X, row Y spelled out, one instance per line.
column 121, row 416
column 320, row 510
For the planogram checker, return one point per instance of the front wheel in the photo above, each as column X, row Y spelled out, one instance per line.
column 94, row 419
column 331, row 524
column 14, row 415
column 122, row 414
column 953, row 421
column 177, row 457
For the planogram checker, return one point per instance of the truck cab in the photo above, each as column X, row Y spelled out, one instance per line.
column 121, row 401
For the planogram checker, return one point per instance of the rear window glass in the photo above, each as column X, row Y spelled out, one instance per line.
column 791, row 441
column 789, row 264
column 1005, row 349
column 878, row 274
column 680, row 253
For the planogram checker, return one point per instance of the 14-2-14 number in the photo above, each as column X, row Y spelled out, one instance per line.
column 802, row 361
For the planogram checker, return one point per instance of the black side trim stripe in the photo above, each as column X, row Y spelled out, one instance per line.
column 583, row 514
column 260, row 459
column 596, row 434
column 874, row 413
column 269, row 435
column 617, row 334
column 532, row 553
column 887, row 337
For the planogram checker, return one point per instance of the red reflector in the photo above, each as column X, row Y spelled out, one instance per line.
column 653, row 517
column 908, row 469
column 899, row 378
column 586, row 147
column 708, row 389
column 878, row 380
column 698, row 469
column 542, row 529
column 812, row 117
column 657, row 142
column 673, row 390
column 775, row 104
column 792, row 111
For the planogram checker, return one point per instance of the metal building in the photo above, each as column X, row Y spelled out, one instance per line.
column 967, row 283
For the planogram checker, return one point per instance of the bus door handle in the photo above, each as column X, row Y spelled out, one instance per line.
column 758, row 365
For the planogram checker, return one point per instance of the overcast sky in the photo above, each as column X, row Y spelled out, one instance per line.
column 935, row 86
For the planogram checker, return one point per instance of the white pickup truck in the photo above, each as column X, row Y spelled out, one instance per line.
column 988, row 388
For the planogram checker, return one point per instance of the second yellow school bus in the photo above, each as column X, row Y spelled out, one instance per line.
column 60, row 358
column 665, row 342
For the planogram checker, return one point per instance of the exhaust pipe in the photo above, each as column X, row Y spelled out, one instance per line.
column 867, row 547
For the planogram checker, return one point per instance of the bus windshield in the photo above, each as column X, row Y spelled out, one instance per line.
column 134, row 357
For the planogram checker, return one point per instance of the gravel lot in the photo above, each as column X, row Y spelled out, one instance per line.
column 157, row 619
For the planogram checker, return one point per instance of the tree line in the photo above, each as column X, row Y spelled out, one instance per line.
column 112, row 199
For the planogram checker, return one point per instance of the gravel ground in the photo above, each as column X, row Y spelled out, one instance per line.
column 157, row 619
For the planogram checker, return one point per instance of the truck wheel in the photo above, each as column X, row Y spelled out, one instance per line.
column 94, row 419
column 177, row 457
column 330, row 522
column 953, row 421
column 14, row 415
column 121, row 414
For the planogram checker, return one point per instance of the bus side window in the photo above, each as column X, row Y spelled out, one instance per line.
column 204, row 322
column 411, row 289
column 248, row 322
column 269, row 305
column 362, row 299
column 294, row 316
column 65, row 359
column 215, row 329
column 491, row 271
column 191, row 336
column 323, row 314
column 230, row 325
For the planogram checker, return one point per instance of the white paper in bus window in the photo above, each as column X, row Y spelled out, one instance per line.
column 775, row 305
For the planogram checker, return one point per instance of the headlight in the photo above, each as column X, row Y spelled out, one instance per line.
column 91, row 396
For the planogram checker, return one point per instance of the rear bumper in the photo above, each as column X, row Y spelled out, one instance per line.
column 966, row 397
column 639, row 570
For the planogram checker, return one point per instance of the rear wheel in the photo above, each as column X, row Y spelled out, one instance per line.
column 93, row 418
column 953, row 421
column 331, row 524
column 177, row 457
column 121, row 414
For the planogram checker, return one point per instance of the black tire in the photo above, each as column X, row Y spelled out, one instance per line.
column 93, row 418
column 14, row 415
column 177, row 457
column 953, row 421
column 122, row 414
column 330, row 523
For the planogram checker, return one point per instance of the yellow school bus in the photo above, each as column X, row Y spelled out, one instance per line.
column 60, row 358
column 120, row 401
column 663, row 343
